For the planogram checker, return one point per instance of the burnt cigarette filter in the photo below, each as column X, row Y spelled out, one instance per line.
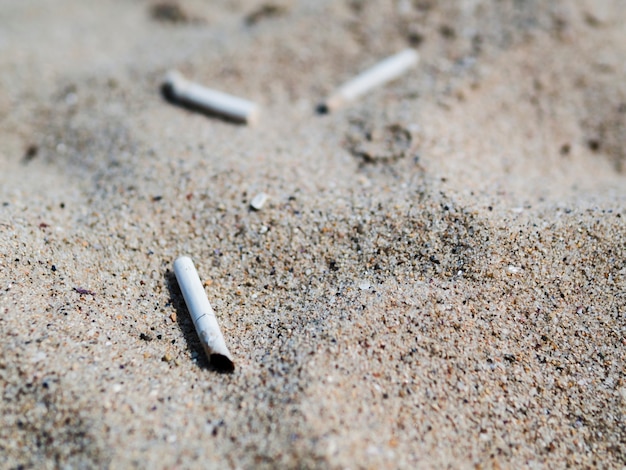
column 202, row 315
column 381, row 73
column 179, row 89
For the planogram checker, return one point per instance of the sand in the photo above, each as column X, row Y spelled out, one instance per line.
column 437, row 279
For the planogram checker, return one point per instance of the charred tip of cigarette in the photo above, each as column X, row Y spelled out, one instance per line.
column 168, row 92
column 330, row 105
column 322, row 108
column 222, row 363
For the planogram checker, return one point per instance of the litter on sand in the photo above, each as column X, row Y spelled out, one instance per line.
column 202, row 315
column 177, row 88
column 381, row 73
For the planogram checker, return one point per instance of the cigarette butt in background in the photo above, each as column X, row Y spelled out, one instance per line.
column 381, row 73
column 202, row 314
column 177, row 88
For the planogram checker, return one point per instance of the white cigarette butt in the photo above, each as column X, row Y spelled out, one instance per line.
column 202, row 314
column 258, row 201
column 381, row 73
column 232, row 107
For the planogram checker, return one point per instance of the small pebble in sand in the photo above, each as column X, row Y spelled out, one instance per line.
column 169, row 12
column 266, row 10
column 39, row 356
column 259, row 201
column 82, row 291
column 381, row 73
column 179, row 89
column 31, row 153
column 364, row 285
column 202, row 314
column 145, row 337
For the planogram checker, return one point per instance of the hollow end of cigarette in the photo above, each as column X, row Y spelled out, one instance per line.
column 253, row 117
column 222, row 363
column 322, row 108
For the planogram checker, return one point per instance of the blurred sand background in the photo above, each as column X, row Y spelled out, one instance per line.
column 438, row 279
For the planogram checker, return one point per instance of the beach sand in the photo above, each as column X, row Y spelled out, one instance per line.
column 437, row 280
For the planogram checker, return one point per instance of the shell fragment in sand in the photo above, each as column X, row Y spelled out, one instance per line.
column 381, row 73
column 179, row 89
column 202, row 315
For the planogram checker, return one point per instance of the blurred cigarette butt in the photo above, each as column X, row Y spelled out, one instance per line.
column 179, row 89
column 385, row 71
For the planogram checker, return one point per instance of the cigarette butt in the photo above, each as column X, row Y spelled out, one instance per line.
column 259, row 201
column 381, row 73
column 179, row 89
column 202, row 315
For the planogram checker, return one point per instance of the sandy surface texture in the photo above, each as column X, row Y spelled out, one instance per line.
column 438, row 278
